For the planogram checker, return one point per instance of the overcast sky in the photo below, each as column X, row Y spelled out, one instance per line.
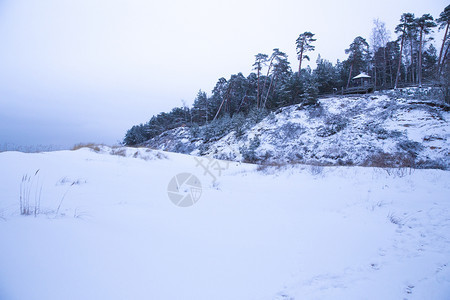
column 87, row 70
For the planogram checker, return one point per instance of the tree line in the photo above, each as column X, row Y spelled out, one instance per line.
column 409, row 59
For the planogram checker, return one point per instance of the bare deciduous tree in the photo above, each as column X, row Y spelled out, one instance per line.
column 380, row 37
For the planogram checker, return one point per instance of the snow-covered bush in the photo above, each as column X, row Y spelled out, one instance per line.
column 315, row 111
column 439, row 164
column 390, row 160
column 383, row 133
column 203, row 149
column 239, row 124
column 184, row 148
column 217, row 129
column 291, row 130
column 256, row 115
column 311, row 93
column 249, row 153
column 410, row 147
column 332, row 125
column 194, row 131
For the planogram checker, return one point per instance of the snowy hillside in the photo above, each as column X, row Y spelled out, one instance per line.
column 104, row 224
column 368, row 130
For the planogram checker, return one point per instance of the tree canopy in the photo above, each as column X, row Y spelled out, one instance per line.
column 407, row 60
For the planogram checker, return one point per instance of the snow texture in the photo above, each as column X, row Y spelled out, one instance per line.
column 290, row 232
column 367, row 130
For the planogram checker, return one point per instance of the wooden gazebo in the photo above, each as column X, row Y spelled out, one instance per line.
column 362, row 85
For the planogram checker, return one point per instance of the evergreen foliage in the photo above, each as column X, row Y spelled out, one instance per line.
column 239, row 102
column 249, row 153
column 304, row 44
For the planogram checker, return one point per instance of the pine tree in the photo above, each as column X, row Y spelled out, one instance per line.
column 135, row 135
column 218, row 97
column 237, row 94
column 325, row 75
column 278, row 66
column 444, row 22
column 411, row 35
column 358, row 56
column 430, row 60
column 260, row 61
column 200, row 108
column 392, row 59
column 401, row 30
column 303, row 44
column 275, row 53
column 425, row 25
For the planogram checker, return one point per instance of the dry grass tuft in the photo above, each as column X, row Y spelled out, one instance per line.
column 93, row 146
column 119, row 152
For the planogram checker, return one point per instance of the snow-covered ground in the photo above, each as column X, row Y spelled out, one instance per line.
column 364, row 130
column 296, row 232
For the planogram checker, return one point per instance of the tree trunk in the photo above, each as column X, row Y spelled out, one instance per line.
column 206, row 110
column 267, row 95
column 391, row 75
column 420, row 59
column 405, row 71
column 445, row 55
column 413, row 79
column 220, row 107
column 225, row 99
column 300, row 62
column 399, row 64
column 375, row 77
column 350, row 75
column 265, row 79
column 257, row 89
column 384, row 66
column 442, row 49
column 242, row 101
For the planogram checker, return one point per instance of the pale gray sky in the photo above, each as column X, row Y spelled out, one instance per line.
column 87, row 70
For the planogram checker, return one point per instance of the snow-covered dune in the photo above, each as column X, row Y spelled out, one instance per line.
column 365, row 130
column 107, row 228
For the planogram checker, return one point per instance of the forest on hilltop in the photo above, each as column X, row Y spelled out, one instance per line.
column 409, row 59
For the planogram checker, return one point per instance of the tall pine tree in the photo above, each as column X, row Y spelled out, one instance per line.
column 425, row 25
column 358, row 56
column 260, row 61
column 444, row 22
column 304, row 44
column 401, row 30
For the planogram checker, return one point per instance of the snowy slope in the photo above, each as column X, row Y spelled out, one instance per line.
column 368, row 130
column 296, row 232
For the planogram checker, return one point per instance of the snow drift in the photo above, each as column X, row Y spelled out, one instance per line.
column 106, row 229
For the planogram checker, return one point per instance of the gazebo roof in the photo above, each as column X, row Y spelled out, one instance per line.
column 362, row 75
